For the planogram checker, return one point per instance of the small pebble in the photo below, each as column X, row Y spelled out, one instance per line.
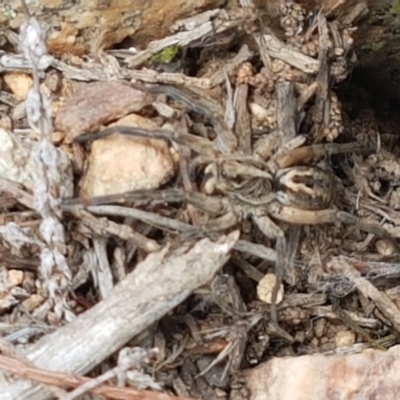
column 319, row 327
column 345, row 338
column 265, row 288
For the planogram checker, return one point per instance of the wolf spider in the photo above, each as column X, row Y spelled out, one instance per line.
column 237, row 187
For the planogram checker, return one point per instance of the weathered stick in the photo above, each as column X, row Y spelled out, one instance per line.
column 158, row 284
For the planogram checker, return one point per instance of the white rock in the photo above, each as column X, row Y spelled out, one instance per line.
column 265, row 288
column 120, row 163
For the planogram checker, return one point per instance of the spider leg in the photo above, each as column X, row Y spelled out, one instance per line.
column 213, row 205
column 198, row 144
column 365, row 226
column 222, row 223
column 305, row 217
column 266, row 147
column 296, row 216
column 306, row 154
column 226, row 141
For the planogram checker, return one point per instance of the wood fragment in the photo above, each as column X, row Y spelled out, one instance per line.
column 102, row 225
column 243, row 124
column 102, row 272
column 17, row 192
column 322, row 106
column 277, row 49
column 306, row 95
column 258, row 36
column 185, row 38
column 169, row 78
column 327, row 312
column 286, row 111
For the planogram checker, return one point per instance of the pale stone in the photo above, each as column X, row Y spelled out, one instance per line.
column 15, row 277
column 19, row 84
column 373, row 374
column 119, row 163
column 265, row 288
column 32, row 302
column 345, row 338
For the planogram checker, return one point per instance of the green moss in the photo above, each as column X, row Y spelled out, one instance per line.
column 395, row 8
column 166, row 56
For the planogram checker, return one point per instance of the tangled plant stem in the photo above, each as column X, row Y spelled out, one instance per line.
column 54, row 267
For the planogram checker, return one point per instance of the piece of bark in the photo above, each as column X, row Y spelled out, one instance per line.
column 243, row 122
column 97, row 103
column 372, row 374
column 286, row 110
column 157, row 285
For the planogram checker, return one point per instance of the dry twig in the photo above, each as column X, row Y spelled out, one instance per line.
column 24, row 370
